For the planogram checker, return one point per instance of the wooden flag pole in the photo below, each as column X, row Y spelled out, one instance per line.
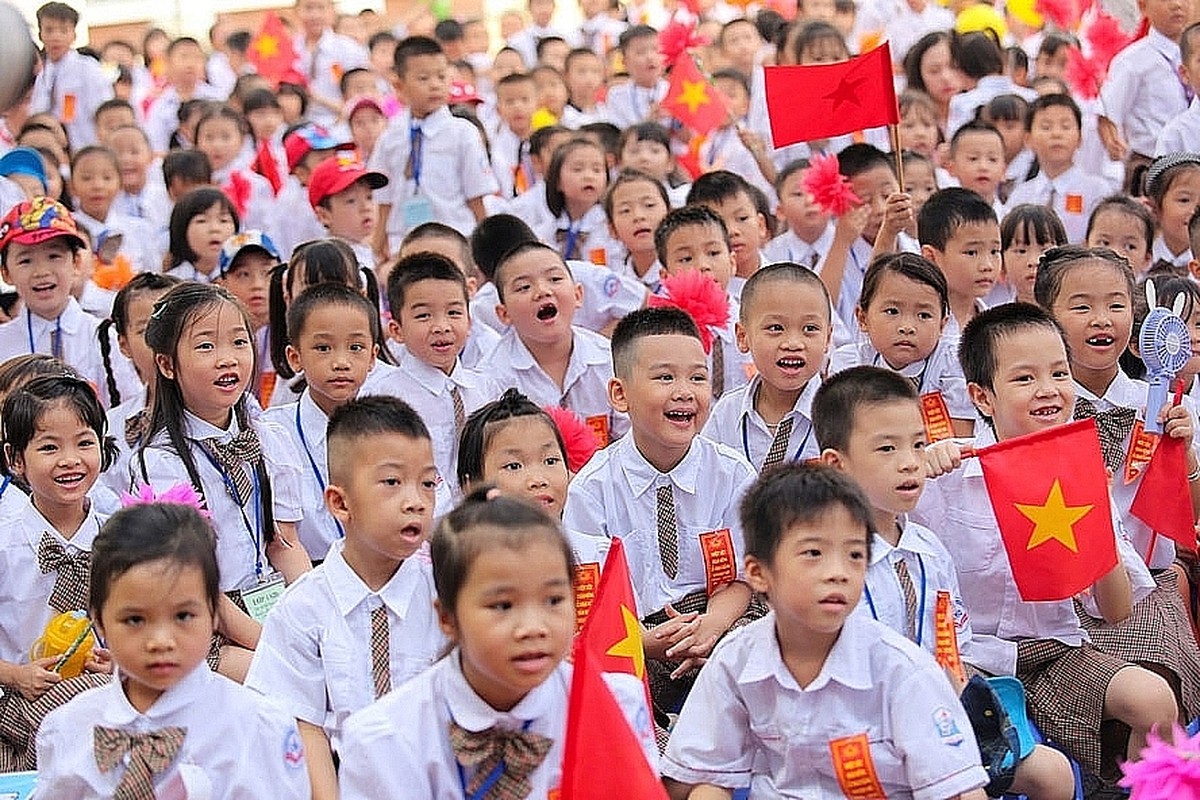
column 894, row 135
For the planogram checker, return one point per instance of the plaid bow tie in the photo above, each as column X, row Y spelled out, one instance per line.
column 136, row 426
column 1114, row 427
column 570, row 242
column 517, row 753
column 149, row 754
column 234, row 456
column 70, row 591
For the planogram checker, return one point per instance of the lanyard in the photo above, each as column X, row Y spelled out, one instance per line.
column 416, row 146
column 251, row 530
column 312, row 462
column 746, row 441
column 572, row 235
column 57, row 343
column 921, row 603
column 4, row 486
column 1188, row 92
column 491, row 778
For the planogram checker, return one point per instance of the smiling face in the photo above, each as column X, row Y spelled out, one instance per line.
column 433, row 322
column 43, row 274
column 213, row 362
column 61, row 461
column 885, row 457
column 523, row 458
column 637, row 208
column 786, row 331
column 335, row 351
column 539, row 296
column 1094, row 307
column 1032, row 388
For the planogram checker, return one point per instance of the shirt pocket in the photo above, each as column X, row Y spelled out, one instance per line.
column 973, row 539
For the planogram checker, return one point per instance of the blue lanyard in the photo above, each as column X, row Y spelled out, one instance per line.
column 921, row 603
column 491, row 778
column 57, row 348
column 572, row 235
column 416, row 146
column 746, row 441
column 312, row 462
column 253, row 531
column 4, row 486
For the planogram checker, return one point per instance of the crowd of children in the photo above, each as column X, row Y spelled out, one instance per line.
column 288, row 369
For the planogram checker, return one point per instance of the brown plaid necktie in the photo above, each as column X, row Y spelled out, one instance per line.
column 516, row 753
column 460, row 411
column 381, row 661
column 233, row 457
column 136, row 426
column 910, row 599
column 779, row 444
column 668, row 531
column 1114, row 427
column 718, row 368
column 149, row 754
column 70, row 591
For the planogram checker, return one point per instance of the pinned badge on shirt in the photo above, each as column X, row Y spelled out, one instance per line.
column 947, row 727
column 1141, row 450
column 68, row 108
column 720, row 565
column 293, row 749
column 854, row 767
column 599, row 425
column 587, row 580
column 1074, row 203
column 936, row 417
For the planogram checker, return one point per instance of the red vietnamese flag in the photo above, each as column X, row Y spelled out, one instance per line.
column 822, row 100
column 602, row 757
column 1164, row 500
column 265, row 164
column 692, row 100
column 271, row 50
column 613, row 631
column 1049, row 491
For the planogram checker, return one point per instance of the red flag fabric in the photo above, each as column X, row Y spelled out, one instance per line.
column 1163, row 500
column 692, row 100
column 613, row 631
column 271, row 50
column 266, row 165
column 602, row 757
column 1049, row 491
column 822, row 100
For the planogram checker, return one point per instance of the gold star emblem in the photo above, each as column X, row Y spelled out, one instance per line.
column 694, row 95
column 631, row 645
column 1054, row 519
column 267, row 46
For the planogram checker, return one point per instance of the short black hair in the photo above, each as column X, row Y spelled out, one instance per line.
column 736, row 75
column 411, row 47
column 1053, row 101
column 690, row 216
column 329, row 294
column 485, row 422
column 974, row 126
column 1039, row 224
column 448, row 30
column 606, row 133
column 113, row 104
column 946, row 211
column 835, row 409
column 858, row 158
column 183, row 41
column 494, row 237
column 59, row 12
column 363, row 418
column 793, row 493
column 789, row 169
column 532, row 246
column 780, row 271
column 513, row 78
column 1125, row 204
column 650, row 321
column 543, row 135
column 977, row 54
column 981, row 341
column 717, row 187
column 539, row 49
column 632, row 34
column 1056, row 262
column 189, row 165
column 347, row 76
column 413, row 269
column 257, row 99
column 577, row 53
column 915, row 267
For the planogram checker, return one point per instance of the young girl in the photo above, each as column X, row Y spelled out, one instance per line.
column 1027, row 231
column 15, row 373
column 95, row 182
column 200, row 223
column 332, row 334
column 221, row 135
column 55, row 446
column 575, row 184
column 169, row 727
column 1173, row 186
column 1090, row 292
column 920, row 179
column 1125, row 225
column 201, row 433
column 919, row 131
column 634, row 204
column 503, row 574
column 903, row 310
column 1007, row 113
column 647, row 147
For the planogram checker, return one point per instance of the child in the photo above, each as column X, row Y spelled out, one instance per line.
column 903, row 311
column 244, row 267
column 15, row 373
column 1053, row 127
column 584, row 74
column 70, row 86
column 367, row 120
column 1008, row 113
column 1124, row 225
column 960, row 235
column 666, row 471
column 531, row 204
column 920, row 178
column 40, row 255
column 55, row 446
column 162, row 726
column 201, row 432
column 362, row 622
column 201, row 221
column 185, row 82
column 427, row 142
column 977, row 160
column 980, row 61
column 1173, row 187
column 733, row 146
column 324, row 56
column 1179, row 135
column 635, row 204
column 1015, row 361
column 142, row 196
column 919, row 129
column 637, row 99
column 731, row 196
column 503, row 575
column 221, row 135
column 339, row 192
column 1027, row 232
column 784, row 325
column 95, row 182
column 867, row 693
column 646, row 146
column 516, row 100
column 575, row 185
column 305, row 147
column 809, row 233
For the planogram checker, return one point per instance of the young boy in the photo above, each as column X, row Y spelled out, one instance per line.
column 809, row 232
column 142, row 196
column 584, row 74
column 671, row 494
column 512, row 162
column 695, row 237
column 784, row 325
column 436, row 162
column 1182, row 133
column 728, row 194
column 1015, row 362
column 70, row 86
column 363, row 621
column 637, row 99
column 813, row 701
column 244, row 267
column 185, row 81
column 324, row 56
column 543, row 354
column 1053, row 126
column 113, row 114
column 305, row 146
column 977, row 160
column 339, row 192
column 959, row 233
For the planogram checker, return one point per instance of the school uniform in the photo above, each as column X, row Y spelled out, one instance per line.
column 575, row 118
column 963, row 106
column 1143, row 90
column 127, row 424
column 162, row 117
column 1182, row 133
column 729, row 368
column 138, row 242
column 187, row 271
column 651, row 278
column 628, row 104
column 451, row 167
column 583, row 239
column 292, row 220
column 601, row 33
column 222, row 722
column 735, row 423
column 724, row 149
column 530, row 206
column 1160, row 252
column 96, row 301
column 315, row 657
column 525, row 41
column 937, row 372
column 251, row 193
column 510, row 155
column 324, row 64
column 151, row 205
column 858, row 258
column 1071, row 195
column 71, row 89
column 787, row 246
column 748, row 721
column 71, row 337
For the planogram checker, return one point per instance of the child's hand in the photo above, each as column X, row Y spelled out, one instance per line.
column 1177, row 423
column 659, row 640
column 752, row 140
column 35, row 678
column 897, row 217
column 99, row 662
column 850, row 225
column 1110, row 137
column 942, row 457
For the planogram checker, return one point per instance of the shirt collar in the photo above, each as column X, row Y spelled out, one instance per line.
column 312, row 420
column 432, row 122
column 192, row 690
column 847, row 662
column 199, row 430
column 472, row 712
column 1163, row 45
column 427, row 375
column 642, row 475
column 802, row 407
column 910, row 542
column 34, row 525
column 348, row 588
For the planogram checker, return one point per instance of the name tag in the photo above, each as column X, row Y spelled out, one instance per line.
column 855, row 769
column 719, row 566
column 417, row 211
column 263, row 597
column 936, row 417
column 1074, row 203
column 587, row 578
column 1141, row 449
column 599, row 425
column 68, row 108
column 946, row 643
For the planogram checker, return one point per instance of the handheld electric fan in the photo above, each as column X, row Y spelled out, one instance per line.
column 1165, row 347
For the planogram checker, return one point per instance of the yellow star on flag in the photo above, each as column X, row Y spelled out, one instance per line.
column 267, row 45
column 1054, row 519
column 631, row 645
column 694, row 95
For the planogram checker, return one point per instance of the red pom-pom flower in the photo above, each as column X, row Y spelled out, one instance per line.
column 829, row 188
column 1105, row 38
column 1063, row 13
column 701, row 297
column 577, row 437
column 677, row 38
column 180, row 493
column 1084, row 75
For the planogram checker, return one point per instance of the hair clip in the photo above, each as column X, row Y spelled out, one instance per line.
column 180, row 494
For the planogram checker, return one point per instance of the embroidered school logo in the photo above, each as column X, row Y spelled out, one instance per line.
column 611, row 284
column 947, row 728
column 293, row 749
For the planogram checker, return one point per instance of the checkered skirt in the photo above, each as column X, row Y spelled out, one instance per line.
column 20, row 719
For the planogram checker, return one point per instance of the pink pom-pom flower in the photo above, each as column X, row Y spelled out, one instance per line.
column 701, row 297
column 1084, row 75
column 676, row 38
column 1165, row 771
column 577, row 437
column 829, row 188
column 181, row 493
column 1105, row 38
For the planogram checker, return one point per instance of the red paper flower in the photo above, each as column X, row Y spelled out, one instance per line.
column 677, row 38
column 1084, row 75
column 238, row 192
column 181, row 493
column 701, row 297
column 828, row 187
column 578, row 438
column 1105, row 38
column 1063, row 13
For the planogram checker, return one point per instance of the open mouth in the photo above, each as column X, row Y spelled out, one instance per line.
column 909, row 487
column 532, row 663
column 547, row 312
column 69, row 480
column 1046, row 412
column 412, row 531
column 643, row 232
column 227, row 381
column 1100, row 340
column 791, row 363
column 680, row 417
column 44, row 287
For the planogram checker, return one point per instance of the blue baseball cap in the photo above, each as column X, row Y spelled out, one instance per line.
column 24, row 161
column 238, row 243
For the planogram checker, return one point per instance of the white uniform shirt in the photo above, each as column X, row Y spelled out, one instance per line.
column 592, row 230
column 963, row 106
column 787, row 246
column 293, row 221
column 151, row 204
column 1182, row 133
column 237, row 745
column 314, row 656
column 1075, row 194
column 403, row 739
column 747, row 720
column 736, row 424
column 739, row 366
column 115, row 480
column 939, row 372
column 628, row 104
column 323, row 65
column 615, row 494
column 1160, row 252
column 1143, row 90
column 162, row 118
column 79, row 85
column 138, row 240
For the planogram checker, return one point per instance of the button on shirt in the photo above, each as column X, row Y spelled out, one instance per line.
column 1142, row 92
column 735, row 423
